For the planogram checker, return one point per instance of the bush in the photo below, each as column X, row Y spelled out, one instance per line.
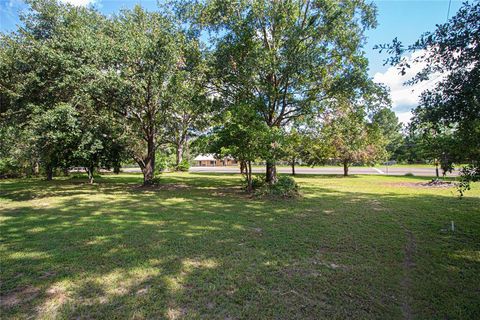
column 9, row 168
column 155, row 181
column 468, row 174
column 257, row 182
column 409, row 174
column 183, row 166
column 286, row 187
column 161, row 163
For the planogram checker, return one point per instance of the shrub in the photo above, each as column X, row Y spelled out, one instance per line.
column 468, row 174
column 286, row 187
column 409, row 174
column 9, row 168
column 155, row 181
column 258, row 182
column 184, row 165
column 161, row 163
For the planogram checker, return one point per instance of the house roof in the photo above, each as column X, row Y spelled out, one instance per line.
column 209, row 157
column 204, row 157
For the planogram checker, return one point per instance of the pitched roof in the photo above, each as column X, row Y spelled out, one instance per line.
column 204, row 157
column 210, row 157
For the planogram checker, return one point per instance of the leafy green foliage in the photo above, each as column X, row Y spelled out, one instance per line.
column 9, row 168
column 451, row 50
column 140, row 61
column 283, row 57
column 191, row 110
column 469, row 174
column 347, row 136
column 258, row 182
column 184, row 165
column 163, row 161
column 47, row 71
column 285, row 187
column 56, row 133
column 390, row 128
column 17, row 157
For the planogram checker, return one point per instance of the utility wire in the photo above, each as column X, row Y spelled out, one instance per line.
column 448, row 12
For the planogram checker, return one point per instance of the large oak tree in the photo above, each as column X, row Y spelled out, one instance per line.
column 142, row 55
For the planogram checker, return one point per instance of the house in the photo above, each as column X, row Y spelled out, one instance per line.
column 209, row 160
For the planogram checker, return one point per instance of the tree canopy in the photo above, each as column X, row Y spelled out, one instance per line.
column 284, row 57
column 452, row 52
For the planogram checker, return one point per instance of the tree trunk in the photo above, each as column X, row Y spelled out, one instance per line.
column 49, row 172
column 66, row 173
column 293, row 167
column 90, row 170
column 187, row 149
column 271, row 172
column 149, row 162
column 36, row 168
column 345, row 169
column 179, row 155
column 116, row 169
column 249, row 176
column 436, row 170
column 242, row 167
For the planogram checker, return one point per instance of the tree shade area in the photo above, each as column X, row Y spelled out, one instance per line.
column 255, row 85
column 356, row 247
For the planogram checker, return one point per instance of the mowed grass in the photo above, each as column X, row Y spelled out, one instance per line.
column 360, row 247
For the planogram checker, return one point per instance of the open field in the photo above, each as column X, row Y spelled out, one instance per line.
column 361, row 247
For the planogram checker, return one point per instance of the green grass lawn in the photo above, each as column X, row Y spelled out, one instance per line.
column 360, row 247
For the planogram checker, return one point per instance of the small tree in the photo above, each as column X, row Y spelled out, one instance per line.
column 438, row 145
column 390, row 128
column 345, row 133
column 242, row 136
column 293, row 147
column 353, row 139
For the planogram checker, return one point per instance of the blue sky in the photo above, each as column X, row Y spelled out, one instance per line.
column 405, row 19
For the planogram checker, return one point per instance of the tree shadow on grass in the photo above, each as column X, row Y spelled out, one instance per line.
column 194, row 253
column 32, row 189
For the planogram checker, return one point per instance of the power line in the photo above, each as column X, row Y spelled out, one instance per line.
column 448, row 12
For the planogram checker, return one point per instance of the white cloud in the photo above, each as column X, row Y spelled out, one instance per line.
column 405, row 97
column 79, row 3
column 404, row 117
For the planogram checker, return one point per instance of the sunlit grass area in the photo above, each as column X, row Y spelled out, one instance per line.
column 198, row 247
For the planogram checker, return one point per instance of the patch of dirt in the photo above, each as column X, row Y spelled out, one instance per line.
column 58, row 294
column 430, row 184
column 439, row 184
column 47, row 274
column 143, row 291
column 176, row 313
column 376, row 205
column 19, row 295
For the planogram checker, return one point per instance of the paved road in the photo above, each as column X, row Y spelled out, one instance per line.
column 332, row 170
column 426, row 172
